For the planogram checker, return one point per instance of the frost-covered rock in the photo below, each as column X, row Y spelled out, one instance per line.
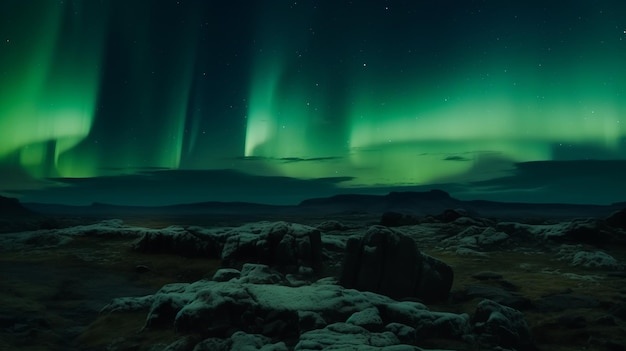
column 283, row 245
column 595, row 259
column 388, row 262
column 334, row 243
column 40, row 239
column 318, row 316
column 213, row 344
column 253, row 342
column 129, row 304
column 166, row 304
column 51, row 238
column 403, row 332
column 345, row 336
column 177, row 240
column 108, row 228
column 586, row 230
column 218, row 306
column 240, row 341
column 476, row 238
column 279, row 244
column 577, row 256
column 331, row 225
column 368, row 318
column 473, row 221
column 501, row 326
column 226, row 274
column 259, row 274
column 427, row 323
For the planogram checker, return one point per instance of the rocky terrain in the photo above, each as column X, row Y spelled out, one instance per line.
column 450, row 281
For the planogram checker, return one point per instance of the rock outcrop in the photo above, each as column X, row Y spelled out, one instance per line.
column 287, row 246
column 501, row 326
column 266, row 315
column 388, row 262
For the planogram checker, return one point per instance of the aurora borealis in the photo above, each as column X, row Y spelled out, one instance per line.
column 360, row 96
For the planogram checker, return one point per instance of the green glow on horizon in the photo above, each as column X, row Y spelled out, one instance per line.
column 403, row 138
column 514, row 108
column 520, row 116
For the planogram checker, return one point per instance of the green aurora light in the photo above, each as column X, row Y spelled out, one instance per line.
column 404, row 123
column 53, row 84
column 403, row 94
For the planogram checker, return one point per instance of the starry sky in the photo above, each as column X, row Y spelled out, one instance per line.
column 165, row 101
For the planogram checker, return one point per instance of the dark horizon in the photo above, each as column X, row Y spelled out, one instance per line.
column 566, row 182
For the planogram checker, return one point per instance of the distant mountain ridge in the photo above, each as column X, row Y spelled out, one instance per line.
column 415, row 203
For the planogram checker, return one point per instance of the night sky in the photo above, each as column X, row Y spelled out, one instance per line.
column 159, row 102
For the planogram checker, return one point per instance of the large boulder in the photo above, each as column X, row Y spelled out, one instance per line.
column 389, row 262
column 502, row 327
column 286, row 246
column 595, row 259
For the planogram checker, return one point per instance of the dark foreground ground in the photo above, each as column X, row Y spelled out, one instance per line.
column 51, row 294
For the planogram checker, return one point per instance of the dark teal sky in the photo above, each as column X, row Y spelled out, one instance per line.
column 344, row 96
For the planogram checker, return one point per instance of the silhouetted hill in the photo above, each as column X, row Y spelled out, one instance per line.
column 436, row 201
column 432, row 202
column 416, row 203
column 10, row 208
column 16, row 218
